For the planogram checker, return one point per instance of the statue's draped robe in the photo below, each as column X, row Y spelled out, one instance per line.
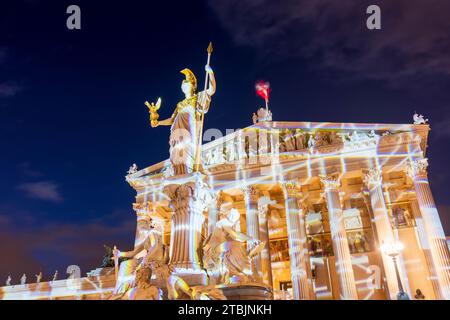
column 227, row 256
column 184, row 132
column 154, row 255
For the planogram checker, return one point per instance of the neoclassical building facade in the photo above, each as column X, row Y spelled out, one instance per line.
column 324, row 198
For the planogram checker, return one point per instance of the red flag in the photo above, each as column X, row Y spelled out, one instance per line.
column 263, row 90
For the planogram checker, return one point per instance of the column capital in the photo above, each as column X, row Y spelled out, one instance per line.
column 417, row 168
column 250, row 191
column 143, row 209
column 372, row 177
column 292, row 188
column 331, row 181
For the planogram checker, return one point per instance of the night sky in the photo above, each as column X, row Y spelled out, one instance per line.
column 73, row 120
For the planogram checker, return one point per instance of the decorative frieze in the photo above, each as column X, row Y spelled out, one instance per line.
column 417, row 168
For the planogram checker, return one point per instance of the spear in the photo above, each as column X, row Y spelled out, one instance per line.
column 199, row 142
column 116, row 264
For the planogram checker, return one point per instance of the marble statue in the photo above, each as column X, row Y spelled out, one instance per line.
column 300, row 140
column 187, row 121
column 419, row 119
column 23, row 280
column 143, row 289
column 8, row 281
column 151, row 254
column 178, row 289
column 224, row 253
column 133, row 169
column 55, row 276
column 38, row 277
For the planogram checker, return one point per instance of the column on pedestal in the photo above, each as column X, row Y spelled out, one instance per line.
column 187, row 221
column 373, row 180
column 252, row 221
column 266, row 262
column 347, row 285
column 422, row 235
column 298, row 250
column 417, row 171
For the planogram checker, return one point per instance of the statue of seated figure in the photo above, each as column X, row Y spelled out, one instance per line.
column 226, row 257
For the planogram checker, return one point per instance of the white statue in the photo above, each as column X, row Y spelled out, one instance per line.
column 133, row 169
column 262, row 115
column 255, row 118
column 225, row 256
column 151, row 254
column 8, row 281
column 419, row 119
column 38, row 277
column 55, row 276
column 23, row 280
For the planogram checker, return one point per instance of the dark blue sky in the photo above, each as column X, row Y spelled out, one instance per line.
column 72, row 118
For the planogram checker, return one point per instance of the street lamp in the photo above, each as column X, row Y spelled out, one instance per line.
column 392, row 249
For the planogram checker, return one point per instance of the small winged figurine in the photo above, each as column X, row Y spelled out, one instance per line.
column 419, row 119
column 153, row 109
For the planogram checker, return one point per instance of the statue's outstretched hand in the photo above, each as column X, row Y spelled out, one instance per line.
column 116, row 252
column 208, row 68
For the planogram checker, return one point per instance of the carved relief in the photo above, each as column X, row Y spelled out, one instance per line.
column 417, row 168
column 372, row 177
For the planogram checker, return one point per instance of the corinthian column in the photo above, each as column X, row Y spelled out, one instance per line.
column 188, row 201
column 298, row 251
column 417, row 171
column 252, row 220
column 347, row 285
column 266, row 262
column 373, row 181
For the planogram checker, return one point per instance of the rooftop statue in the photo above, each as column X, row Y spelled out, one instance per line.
column 133, row 169
column 187, row 120
column 419, row 119
column 8, row 281
column 23, row 280
column 225, row 255
column 38, row 277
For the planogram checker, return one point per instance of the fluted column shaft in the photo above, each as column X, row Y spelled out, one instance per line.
column 422, row 234
column 347, row 285
column 383, row 227
column 298, row 251
column 266, row 262
column 188, row 202
column 417, row 170
column 252, row 221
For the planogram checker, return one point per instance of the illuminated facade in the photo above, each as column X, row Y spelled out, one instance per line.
column 323, row 197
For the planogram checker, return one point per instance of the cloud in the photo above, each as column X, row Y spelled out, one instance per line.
column 28, row 247
column 414, row 42
column 8, row 90
column 42, row 190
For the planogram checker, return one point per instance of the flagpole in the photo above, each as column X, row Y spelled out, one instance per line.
column 202, row 118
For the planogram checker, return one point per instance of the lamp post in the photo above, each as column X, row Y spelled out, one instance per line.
column 392, row 249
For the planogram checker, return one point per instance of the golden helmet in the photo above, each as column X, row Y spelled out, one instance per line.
column 190, row 77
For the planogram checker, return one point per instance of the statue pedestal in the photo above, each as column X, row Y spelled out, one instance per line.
column 189, row 197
